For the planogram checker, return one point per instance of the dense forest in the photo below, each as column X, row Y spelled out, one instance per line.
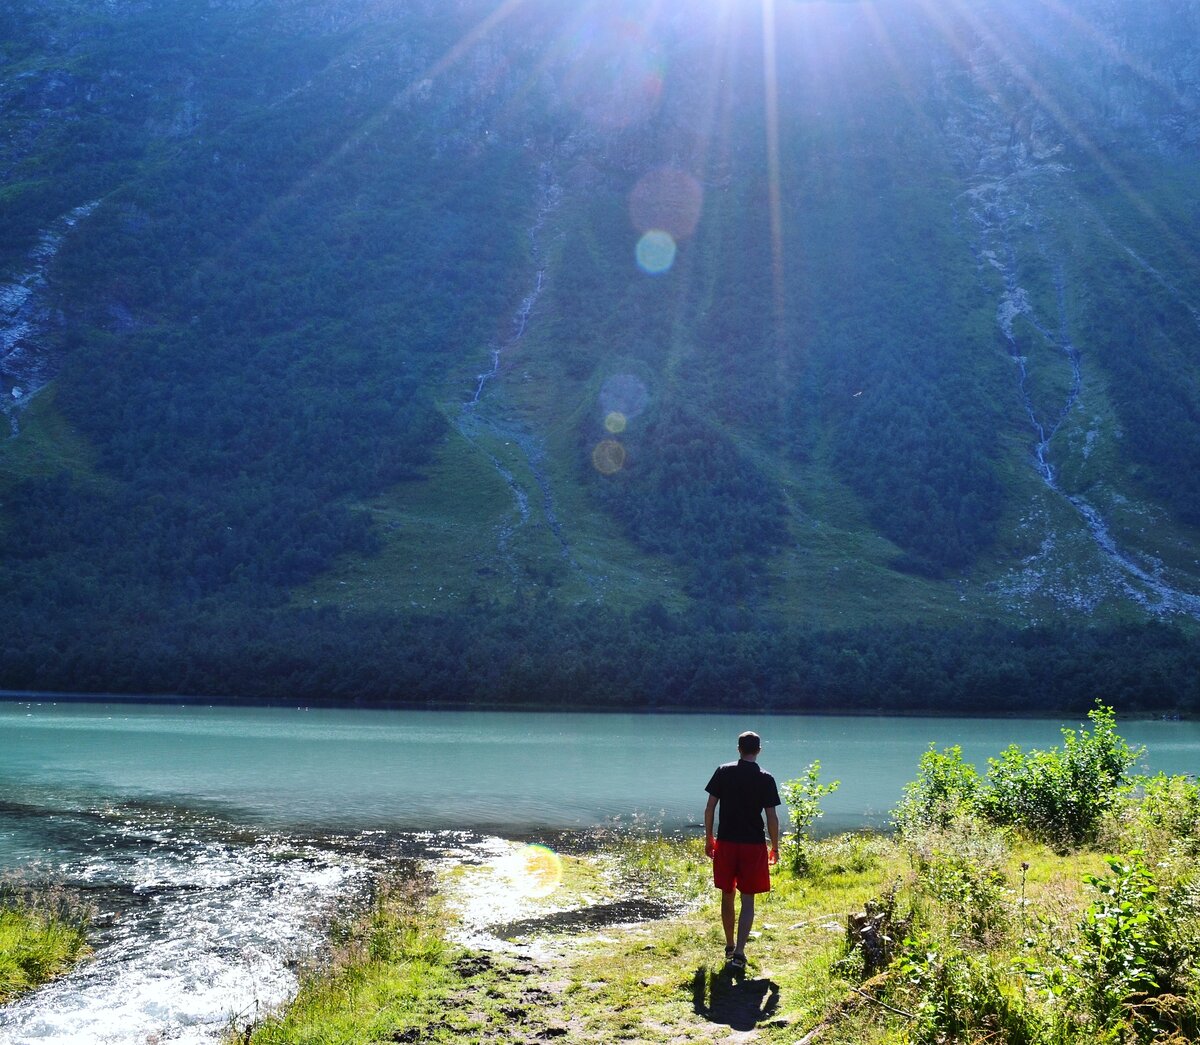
column 545, row 656
column 356, row 375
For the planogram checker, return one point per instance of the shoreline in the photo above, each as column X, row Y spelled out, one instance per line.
column 21, row 696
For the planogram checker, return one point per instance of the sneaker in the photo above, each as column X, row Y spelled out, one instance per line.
column 738, row 961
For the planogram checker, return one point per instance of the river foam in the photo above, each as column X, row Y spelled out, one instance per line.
column 200, row 925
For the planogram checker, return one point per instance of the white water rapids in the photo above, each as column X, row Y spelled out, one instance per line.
column 199, row 925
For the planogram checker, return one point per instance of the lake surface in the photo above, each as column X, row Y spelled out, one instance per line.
column 211, row 838
column 514, row 773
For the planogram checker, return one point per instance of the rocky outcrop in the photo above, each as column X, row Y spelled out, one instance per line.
column 28, row 320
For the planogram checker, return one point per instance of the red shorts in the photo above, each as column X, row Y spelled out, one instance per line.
column 741, row 866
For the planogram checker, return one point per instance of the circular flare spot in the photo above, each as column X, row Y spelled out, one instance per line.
column 542, row 870
column 608, row 457
column 667, row 199
column 616, row 422
column 624, row 394
column 656, row 252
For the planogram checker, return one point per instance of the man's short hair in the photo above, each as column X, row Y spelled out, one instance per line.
column 749, row 743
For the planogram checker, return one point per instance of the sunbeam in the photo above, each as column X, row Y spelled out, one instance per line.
column 1071, row 127
column 359, row 135
column 771, row 96
column 1110, row 47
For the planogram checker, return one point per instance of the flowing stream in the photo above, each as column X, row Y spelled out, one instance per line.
column 1007, row 179
column 474, row 418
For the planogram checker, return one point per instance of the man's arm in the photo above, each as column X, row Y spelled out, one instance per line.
column 709, row 811
column 773, row 831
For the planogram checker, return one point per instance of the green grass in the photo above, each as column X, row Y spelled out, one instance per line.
column 389, row 970
column 834, row 571
column 43, row 933
column 457, row 535
column 982, row 901
column 46, row 445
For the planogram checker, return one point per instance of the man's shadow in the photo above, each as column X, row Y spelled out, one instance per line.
column 730, row 997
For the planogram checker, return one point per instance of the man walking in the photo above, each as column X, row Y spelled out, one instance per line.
column 738, row 851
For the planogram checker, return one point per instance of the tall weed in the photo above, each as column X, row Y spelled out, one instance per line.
column 43, row 931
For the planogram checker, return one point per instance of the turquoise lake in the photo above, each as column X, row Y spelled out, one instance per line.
column 515, row 773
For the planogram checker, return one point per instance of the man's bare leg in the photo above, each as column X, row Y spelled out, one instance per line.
column 745, row 921
column 727, row 915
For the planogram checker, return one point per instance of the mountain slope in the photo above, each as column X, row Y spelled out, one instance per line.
column 335, row 317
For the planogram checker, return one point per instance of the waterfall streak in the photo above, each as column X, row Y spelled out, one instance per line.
column 997, row 206
column 25, row 363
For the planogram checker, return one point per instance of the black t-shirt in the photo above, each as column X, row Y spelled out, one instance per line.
column 744, row 791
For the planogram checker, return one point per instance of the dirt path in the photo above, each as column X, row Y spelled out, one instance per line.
column 586, row 955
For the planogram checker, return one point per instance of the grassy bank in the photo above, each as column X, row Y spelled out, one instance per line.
column 43, row 932
column 978, row 921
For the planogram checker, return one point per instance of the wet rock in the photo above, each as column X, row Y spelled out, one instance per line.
column 473, row 965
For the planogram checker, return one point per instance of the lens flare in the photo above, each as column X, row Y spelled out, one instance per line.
column 615, row 422
column 615, row 74
column 624, row 394
column 608, row 457
column 656, row 252
column 667, row 199
column 541, row 870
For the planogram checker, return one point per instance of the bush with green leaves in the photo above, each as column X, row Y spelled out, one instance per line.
column 954, row 995
column 802, row 797
column 1170, row 805
column 945, row 790
column 976, row 892
column 1061, row 795
column 1122, row 935
column 1128, row 973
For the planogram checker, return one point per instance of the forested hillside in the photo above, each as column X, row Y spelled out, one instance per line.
column 800, row 354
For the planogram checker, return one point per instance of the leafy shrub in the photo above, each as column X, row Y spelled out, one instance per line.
column 945, row 790
column 1131, row 966
column 955, row 993
column 802, row 797
column 1060, row 796
column 1171, row 804
column 976, row 893
column 1122, row 933
column 963, row 866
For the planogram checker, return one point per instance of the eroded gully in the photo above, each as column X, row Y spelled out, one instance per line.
column 26, row 365
column 1007, row 175
column 477, row 419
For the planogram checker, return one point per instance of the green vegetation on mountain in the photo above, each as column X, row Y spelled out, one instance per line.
column 912, row 256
